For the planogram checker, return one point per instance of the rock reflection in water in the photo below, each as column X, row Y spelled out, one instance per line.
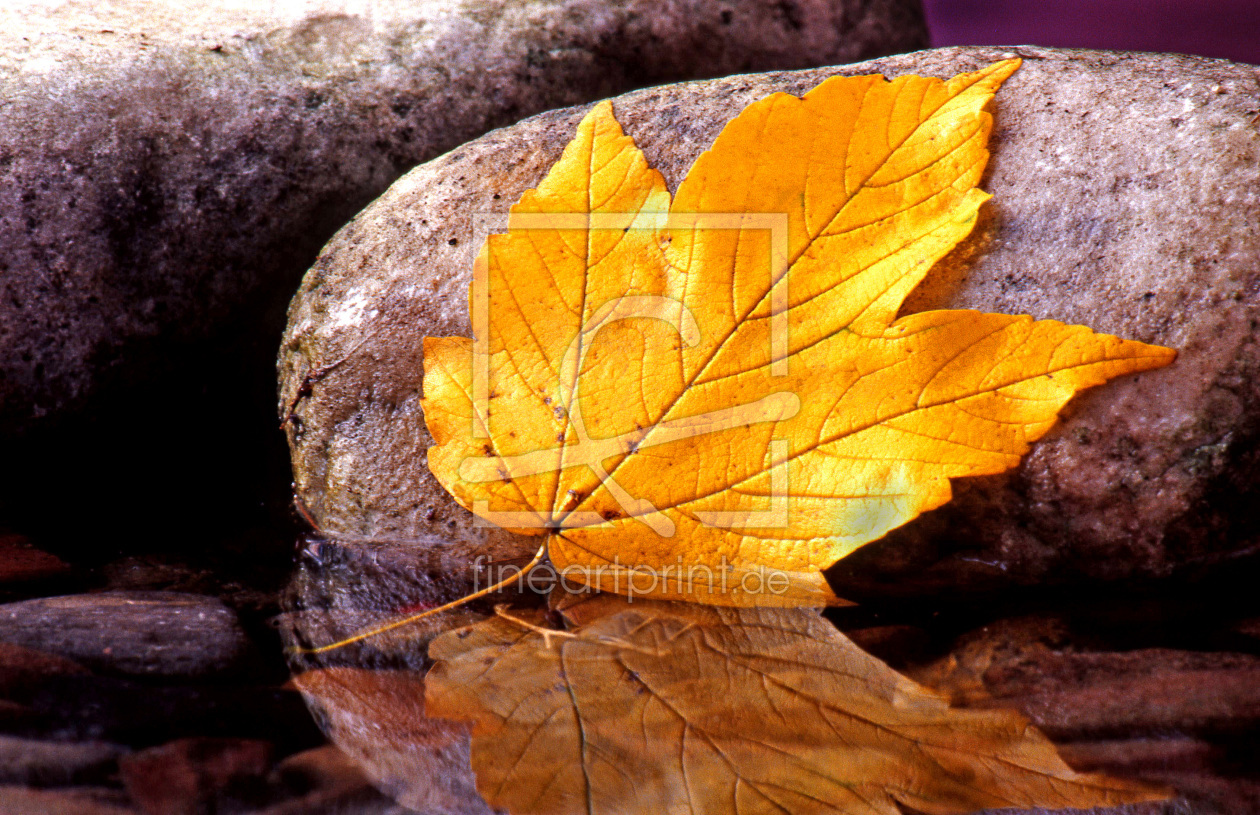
column 368, row 696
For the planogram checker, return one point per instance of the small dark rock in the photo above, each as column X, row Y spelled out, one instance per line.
column 21, row 563
column 57, row 764
column 1152, row 690
column 22, row 669
column 185, row 777
column 150, row 633
column 1073, row 692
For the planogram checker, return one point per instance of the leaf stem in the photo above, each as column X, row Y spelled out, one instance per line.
column 411, row 618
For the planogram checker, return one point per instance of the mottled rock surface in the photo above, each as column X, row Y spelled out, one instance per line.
column 147, row 633
column 1126, row 197
column 170, row 169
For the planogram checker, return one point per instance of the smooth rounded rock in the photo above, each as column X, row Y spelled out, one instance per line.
column 1126, row 198
column 146, row 633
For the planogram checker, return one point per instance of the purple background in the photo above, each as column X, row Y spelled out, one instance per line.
column 1226, row 28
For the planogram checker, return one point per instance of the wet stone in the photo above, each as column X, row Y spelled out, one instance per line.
column 145, row 633
column 1126, row 198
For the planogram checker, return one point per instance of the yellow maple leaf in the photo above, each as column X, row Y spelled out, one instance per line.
column 713, row 398
column 660, row 707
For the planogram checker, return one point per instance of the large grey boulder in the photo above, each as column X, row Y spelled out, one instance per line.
column 1126, row 197
column 169, row 170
